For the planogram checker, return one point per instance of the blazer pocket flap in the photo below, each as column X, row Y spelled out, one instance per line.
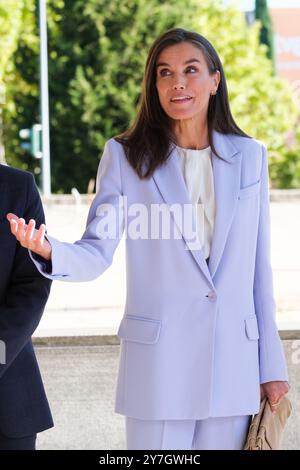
column 251, row 327
column 249, row 190
column 139, row 329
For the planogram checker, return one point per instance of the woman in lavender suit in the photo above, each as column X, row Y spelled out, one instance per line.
column 199, row 342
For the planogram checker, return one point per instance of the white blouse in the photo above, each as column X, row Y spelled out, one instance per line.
column 198, row 175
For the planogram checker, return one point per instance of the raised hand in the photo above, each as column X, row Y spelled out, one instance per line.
column 29, row 237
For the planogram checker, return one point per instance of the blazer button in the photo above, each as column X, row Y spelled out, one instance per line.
column 211, row 296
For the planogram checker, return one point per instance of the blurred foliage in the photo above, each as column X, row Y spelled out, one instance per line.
column 19, row 67
column 266, row 107
column 97, row 53
column 266, row 31
column 11, row 24
column 284, row 167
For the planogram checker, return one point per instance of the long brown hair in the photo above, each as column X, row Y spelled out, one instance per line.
column 147, row 141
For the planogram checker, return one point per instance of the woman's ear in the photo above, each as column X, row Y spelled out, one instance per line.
column 217, row 78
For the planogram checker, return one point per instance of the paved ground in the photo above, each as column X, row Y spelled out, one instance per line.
column 80, row 384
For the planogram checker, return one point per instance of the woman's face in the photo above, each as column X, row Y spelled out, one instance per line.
column 181, row 71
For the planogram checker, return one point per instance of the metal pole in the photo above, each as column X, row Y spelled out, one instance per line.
column 44, row 99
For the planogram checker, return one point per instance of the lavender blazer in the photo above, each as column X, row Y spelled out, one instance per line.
column 196, row 339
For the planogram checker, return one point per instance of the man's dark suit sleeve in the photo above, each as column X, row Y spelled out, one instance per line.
column 27, row 292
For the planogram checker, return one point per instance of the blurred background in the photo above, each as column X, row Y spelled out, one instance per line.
column 96, row 57
column 94, row 63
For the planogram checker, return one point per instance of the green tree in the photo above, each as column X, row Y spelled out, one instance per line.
column 263, row 105
column 97, row 53
column 100, row 72
column 11, row 21
column 266, row 32
column 20, row 77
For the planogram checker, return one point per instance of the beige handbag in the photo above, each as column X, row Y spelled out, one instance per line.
column 266, row 429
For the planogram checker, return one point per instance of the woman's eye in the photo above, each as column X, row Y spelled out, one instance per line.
column 193, row 68
column 165, row 72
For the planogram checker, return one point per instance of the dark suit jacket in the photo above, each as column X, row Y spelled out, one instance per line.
column 24, row 408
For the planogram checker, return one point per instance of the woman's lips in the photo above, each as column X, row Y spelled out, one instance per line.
column 185, row 100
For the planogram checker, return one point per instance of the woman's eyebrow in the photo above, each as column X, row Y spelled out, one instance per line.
column 186, row 62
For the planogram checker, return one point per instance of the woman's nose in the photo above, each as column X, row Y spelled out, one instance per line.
column 178, row 86
column 179, row 81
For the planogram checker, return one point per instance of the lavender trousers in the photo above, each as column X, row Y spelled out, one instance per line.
column 224, row 433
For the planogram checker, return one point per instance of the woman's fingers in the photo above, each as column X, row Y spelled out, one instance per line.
column 11, row 216
column 274, row 404
column 25, row 234
column 14, row 227
column 29, row 237
column 14, row 223
column 41, row 235
column 19, row 228
column 275, row 399
column 35, row 238
column 30, row 233
column 21, row 231
column 274, row 391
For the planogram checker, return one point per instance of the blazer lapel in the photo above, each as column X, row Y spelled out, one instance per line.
column 171, row 185
column 227, row 176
